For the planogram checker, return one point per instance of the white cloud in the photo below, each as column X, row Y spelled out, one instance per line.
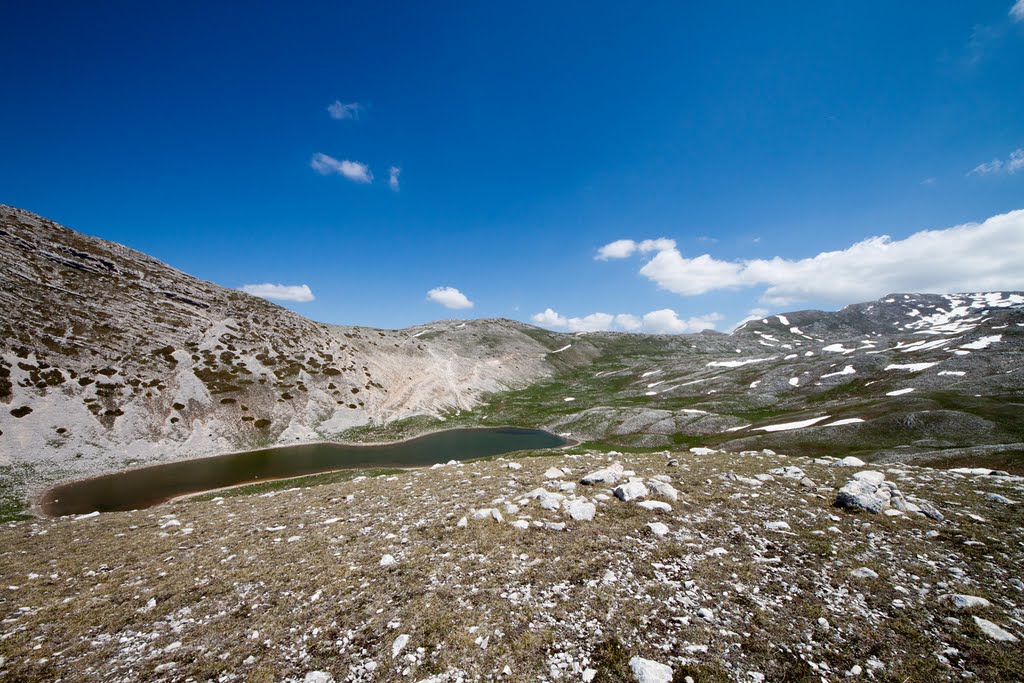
column 665, row 321
column 449, row 297
column 970, row 257
column 616, row 249
column 353, row 170
column 626, row 248
column 1017, row 11
column 299, row 293
column 1014, row 163
column 340, row 110
column 628, row 322
column 393, row 174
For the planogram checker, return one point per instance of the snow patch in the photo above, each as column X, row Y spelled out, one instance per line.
column 786, row 426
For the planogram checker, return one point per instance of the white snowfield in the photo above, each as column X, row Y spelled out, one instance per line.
column 837, row 348
column 912, row 367
column 982, row 343
column 737, row 363
column 900, row 392
column 786, row 426
column 847, row 421
column 848, row 370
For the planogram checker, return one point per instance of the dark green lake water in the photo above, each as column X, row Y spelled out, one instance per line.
column 148, row 486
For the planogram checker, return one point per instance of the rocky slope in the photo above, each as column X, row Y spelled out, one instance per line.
column 679, row 566
column 109, row 358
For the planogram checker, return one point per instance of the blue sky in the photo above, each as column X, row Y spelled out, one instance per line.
column 528, row 136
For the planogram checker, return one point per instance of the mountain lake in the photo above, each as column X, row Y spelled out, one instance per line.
column 145, row 487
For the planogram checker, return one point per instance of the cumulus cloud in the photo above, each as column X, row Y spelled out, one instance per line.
column 969, row 257
column 616, row 249
column 340, row 110
column 665, row 321
column 626, row 248
column 353, row 170
column 393, row 174
column 1017, row 11
column 449, row 297
column 299, row 293
column 1014, row 163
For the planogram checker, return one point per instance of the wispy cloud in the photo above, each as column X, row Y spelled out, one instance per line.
column 449, row 297
column 340, row 111
column 971, row 257
column 353, row 170
column 299, row 293
column 626, row 248
column 1014, row 163
column 1017, row 11
column 393, row 174
column 664, row 321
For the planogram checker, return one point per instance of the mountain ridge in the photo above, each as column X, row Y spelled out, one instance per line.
column 111, row 358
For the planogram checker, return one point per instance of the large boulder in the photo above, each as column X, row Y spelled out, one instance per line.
column 631, row 490
column 868, row 494
column 580, row 510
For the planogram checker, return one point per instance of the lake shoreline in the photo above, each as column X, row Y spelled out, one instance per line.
column 39, row 503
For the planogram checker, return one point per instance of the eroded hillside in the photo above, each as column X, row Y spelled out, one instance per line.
column 111, row 358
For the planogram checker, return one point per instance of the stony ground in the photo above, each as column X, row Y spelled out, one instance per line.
column 723, row 567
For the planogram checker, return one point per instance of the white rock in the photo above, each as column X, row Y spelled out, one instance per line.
column 870, row 476
column 551, row 501
column 387, row 561
column 789, row 472
column 399, row 644
column 996, row 498
column 631, row 490
column 849, row 461
column 706, row 614
column 462, row 522
column 514, row 466
column 993, row 631
column 588, row 675
column 521, row 524
column 657, row 528
column 318, row 677
column 700, row 450
column 776, row 526
column 663, row 489
column 960, row 601
column 655, row 506
column 580, row 510
column 607, row 475
column 554, row 473
column 864, row 573
column 554, row 526
column 649, row 671
column 864, row 495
